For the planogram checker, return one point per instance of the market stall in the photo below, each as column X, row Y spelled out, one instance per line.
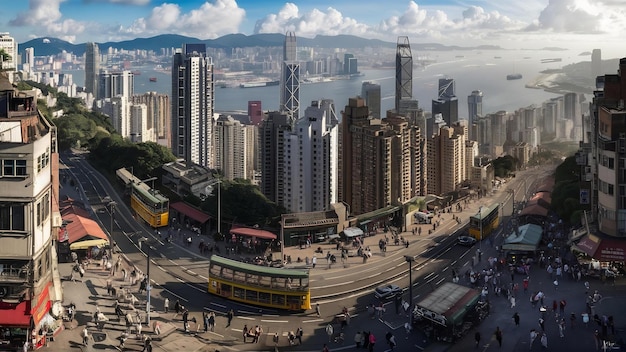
column 449, row 312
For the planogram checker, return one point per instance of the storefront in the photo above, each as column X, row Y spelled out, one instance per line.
column 449, row 312
column 609, row 252
column 522, row 243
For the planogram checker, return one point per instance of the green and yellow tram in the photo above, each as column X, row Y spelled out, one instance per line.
column 484, row 222
column 259, row 285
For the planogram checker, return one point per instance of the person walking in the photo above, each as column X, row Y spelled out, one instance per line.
column 477, row 338
column 245, row 332
column 544, row 341
column 205, row 320
column 562, row 327
column 512, row 300
column 533, row 336
column 516, row 319
column 372, row 342
column 498, row 334
column 357, row 339
column 299, row 334
column 314, row 261
column 166, row 305
column 542, row 324
column 85, row 335
column 317, row 309
column 212, row 321
column 230, row 316
column 325, row 348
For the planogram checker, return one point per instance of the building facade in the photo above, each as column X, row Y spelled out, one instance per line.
column 234, row 148
column 193, row 102
column 311, row 162
column 92, row 68
column 276, row 125
column 9, row 45
column 30, row 284
column 159, row 116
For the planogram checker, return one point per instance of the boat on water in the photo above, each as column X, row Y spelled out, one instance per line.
column 513, row 76
column 136, row 73
column 258, row 84
column 545, row 61
column 153, row 79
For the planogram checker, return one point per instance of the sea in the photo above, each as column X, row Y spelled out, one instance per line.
column 483, row 70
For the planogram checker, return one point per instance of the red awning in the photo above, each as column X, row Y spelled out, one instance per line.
column 611, row 250
column 15, row 315
column 589, row 244
column 246, row 231
column 193, row 213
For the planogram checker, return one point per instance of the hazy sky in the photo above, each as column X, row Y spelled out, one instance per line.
column 575, row 24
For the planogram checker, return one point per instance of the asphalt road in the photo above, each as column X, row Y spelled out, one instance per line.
column 179, row 272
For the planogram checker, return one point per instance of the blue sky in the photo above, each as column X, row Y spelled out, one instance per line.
column 508, row 23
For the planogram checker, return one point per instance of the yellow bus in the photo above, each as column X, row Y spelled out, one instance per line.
column 259, row 285
column 149, row 204
column 485, row 222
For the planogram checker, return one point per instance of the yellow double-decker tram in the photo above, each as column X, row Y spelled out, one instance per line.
column 485, row 222
column 259, row 285
column 148, row 203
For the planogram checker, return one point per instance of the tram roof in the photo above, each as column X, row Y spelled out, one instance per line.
column 484, row 211
column 257, row 269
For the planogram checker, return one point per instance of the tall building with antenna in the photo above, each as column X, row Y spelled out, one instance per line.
column 404, row 71
column 290, row 78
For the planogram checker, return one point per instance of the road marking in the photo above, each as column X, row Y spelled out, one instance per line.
column 274, row 321
column 245, row 318
column 162, row 269
column 312, row 321
column 203, row 277
column 440, row 281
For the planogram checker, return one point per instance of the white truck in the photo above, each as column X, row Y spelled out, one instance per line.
column 422, row 217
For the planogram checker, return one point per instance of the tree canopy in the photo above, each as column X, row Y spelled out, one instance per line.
column 504, row 166
column 243, row 203
column 566, row 193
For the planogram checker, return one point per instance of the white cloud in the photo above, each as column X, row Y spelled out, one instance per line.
column 309, row 24
column 130, row 2
column 582, row 16
column 210, row 20
column 39, row 12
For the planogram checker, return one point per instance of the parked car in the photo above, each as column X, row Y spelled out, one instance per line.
column 466, row 241
column 387, row 291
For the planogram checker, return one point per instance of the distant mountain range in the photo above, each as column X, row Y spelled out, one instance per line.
column 52, row 46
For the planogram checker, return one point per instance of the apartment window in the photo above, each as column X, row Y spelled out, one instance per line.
column 13, row 168
column 12, row 217
column 611, row 189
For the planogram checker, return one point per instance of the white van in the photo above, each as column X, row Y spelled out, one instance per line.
column 422, row 218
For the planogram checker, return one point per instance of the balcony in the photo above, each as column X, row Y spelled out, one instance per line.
column 13, row 273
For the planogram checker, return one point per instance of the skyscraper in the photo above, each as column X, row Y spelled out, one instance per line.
column 113, row 84
column 159, row 116
column 290, row 78
column 255, row 112
column 596, row 63
column 370, row 91
column 404, row 71
column 447, row 103
column 311, row 160
column 232, row 148
column 192, row 105
column 92, row 68
column 273, row 130
column 29, row 59
column 474, row 108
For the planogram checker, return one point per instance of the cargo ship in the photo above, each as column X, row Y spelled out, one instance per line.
column 153, row 79
column 258, row 84
column 514, row 76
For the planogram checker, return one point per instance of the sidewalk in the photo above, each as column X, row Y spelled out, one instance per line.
column 91, row 290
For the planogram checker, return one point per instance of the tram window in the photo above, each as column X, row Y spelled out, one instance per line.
column 239, row 293
column 226, row 290
column 251, row 295
column 293, row 300
column 263, row 281
column 214, row 270
column 264, row 297
column 239, row 276
column 227, row 273
column 278, row 300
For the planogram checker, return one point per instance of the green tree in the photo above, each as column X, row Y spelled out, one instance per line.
column 4, row 56
column 504, row 166
column 242, row 202
column 566, row 193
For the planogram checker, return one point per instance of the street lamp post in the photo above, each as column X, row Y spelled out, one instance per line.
column 112, row 205
column 480, row 242
column 148, row 286
column 219, row 202
column 409, row 259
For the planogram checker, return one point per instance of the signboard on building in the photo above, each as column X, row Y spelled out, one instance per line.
column 584, row 196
